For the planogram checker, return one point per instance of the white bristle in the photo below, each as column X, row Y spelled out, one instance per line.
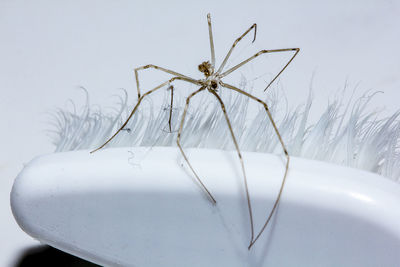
column 342, row 135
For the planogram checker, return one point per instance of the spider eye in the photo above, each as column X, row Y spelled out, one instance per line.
column 214, row 85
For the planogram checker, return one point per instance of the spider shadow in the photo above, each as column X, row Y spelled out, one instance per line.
column 44, row 255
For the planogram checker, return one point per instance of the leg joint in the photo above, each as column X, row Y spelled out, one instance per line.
column 261, row 52
column 237, row 41
column 146, row 67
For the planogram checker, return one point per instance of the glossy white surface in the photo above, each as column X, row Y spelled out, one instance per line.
column 141, row 207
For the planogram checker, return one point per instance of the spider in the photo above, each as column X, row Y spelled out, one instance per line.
column 211, row 83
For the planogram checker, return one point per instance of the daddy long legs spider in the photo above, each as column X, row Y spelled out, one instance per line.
column 212, row 83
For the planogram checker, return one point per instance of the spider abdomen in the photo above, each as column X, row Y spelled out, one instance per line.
column 206, row 68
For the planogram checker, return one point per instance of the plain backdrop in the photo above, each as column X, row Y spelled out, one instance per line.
column 48, row 49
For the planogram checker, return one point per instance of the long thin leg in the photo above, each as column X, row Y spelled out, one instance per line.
column 137, row 105
column 178, row 142
column 241, row 162
column 170, row 107
column 283, row 147
column 254, row 26
column 162, row 69
column 211, row 41
column 265, row 52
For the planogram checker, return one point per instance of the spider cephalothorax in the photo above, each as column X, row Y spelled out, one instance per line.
column 211, row 83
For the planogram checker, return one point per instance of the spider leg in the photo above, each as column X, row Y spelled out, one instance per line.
column 284, row 150
column 254, row 26
column 178, row 142
column 265, row 52
column 186, row 78
column 170, row 108
column 211, row 40
column 136, row 107
column 241, row 162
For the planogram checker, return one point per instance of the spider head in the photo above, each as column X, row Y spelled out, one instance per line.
column 206, row 68
column 214, row 85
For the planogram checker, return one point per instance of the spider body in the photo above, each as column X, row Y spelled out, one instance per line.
column 212, row 83
column 212, row 80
